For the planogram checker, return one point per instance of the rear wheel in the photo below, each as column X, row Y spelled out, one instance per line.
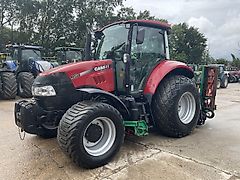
column 25, row 81
column 224, row 82
column 8, row 85
column 91, row 133
column 176, row 106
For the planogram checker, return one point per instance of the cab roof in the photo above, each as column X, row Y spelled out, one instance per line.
column 24, row 46
column 68, row 48
column 150, row 23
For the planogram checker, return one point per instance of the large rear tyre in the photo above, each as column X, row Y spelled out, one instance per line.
column 91, row 133
column 8, row 85
column 176, row 106
column 224, row 82
column 25, row 81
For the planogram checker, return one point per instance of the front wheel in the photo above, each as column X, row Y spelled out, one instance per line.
column 176, row 106
column 25, row 81
column 91, row 133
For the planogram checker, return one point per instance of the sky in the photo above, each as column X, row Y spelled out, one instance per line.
column 218, row 20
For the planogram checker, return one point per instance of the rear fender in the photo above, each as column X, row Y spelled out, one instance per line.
column 163, row 69
column 111, row 99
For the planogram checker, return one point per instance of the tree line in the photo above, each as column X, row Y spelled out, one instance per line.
column 46, row 22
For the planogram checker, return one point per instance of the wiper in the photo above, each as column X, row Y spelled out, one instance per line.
column 110, row 54
column 78, row 53
column 117, row 47
column 36, row 53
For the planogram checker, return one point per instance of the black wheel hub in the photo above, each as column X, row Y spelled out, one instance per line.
column 93, row 133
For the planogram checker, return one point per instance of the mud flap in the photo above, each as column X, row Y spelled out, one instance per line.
column 208, row 89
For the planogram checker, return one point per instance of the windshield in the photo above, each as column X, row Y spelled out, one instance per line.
column 73, row 55
column 31, row 53
column 113, row 39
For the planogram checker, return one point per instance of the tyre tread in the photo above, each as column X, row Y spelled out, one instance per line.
column 26, row 79
column 69, row 125
column 8, row 85
column 163, row 101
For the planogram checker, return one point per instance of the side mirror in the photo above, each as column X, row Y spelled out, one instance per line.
column 140, row 36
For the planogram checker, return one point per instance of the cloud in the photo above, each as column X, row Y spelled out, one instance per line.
column 222, row 39
column 204, row 24
column 219, row 20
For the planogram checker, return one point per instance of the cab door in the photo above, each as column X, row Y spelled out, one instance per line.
column 145, row 55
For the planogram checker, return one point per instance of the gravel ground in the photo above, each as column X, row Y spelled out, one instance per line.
column 210, row 152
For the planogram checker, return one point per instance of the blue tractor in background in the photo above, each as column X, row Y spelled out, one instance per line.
column 8, row 82
column 26, row 62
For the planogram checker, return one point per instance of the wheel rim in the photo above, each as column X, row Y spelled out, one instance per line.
column 99, row 136
column 186, row 107
column 20, row 87
column 226, row 82
column 218, row 84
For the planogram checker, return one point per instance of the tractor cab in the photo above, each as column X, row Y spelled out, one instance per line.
column 29, row 63
column 67, row 55
column 28, row 58
column 135, row 47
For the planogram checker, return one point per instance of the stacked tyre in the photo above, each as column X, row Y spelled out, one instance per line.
column 8, row 85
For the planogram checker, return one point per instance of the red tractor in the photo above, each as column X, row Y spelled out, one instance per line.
column 128, row 86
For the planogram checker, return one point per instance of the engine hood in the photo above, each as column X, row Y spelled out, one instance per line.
column 72, row 68
column 97, row 73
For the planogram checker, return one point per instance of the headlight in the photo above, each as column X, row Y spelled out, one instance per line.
column 43, row 91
